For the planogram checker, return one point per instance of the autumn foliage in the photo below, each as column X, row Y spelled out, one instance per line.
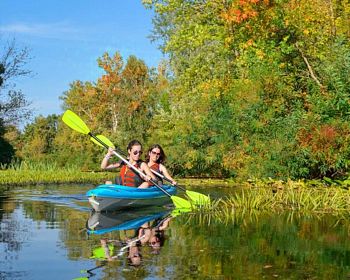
column 251, row 88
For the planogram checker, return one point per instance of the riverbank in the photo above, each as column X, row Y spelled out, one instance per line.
column 60, row 176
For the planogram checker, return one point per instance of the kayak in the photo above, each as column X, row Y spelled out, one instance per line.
column 117, row 197
column 104, row 222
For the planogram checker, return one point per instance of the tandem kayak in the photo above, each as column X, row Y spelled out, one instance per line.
column 116, row 197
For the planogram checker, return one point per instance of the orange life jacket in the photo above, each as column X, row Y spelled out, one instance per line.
column 156, row 167
column 129, row 177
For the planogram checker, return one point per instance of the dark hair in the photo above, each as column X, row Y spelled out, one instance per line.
column 162, row 156
column 133, row 143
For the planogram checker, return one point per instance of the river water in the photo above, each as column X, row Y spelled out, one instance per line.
column 50, row 233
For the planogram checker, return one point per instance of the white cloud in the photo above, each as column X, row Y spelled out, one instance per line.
column 60, row 30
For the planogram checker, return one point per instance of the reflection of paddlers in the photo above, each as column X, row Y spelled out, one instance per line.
column 105, row 253
column 108, row 248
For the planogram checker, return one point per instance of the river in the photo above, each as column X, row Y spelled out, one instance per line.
column 49, row 232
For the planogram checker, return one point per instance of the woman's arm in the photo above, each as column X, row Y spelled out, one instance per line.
column 106, row 249
column 165, row 224
column 104, row 163
column 165, row 172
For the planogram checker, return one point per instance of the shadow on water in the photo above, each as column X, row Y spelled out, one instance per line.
column 51, row 232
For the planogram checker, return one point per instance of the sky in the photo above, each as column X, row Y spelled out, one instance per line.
column 65, row 38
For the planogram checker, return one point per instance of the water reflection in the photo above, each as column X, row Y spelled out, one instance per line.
column 131, row 231
column 49, row 233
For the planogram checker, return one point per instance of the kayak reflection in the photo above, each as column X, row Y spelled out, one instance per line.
column 104, row 222
column 135, row 229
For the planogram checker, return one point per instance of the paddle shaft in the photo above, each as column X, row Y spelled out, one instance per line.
column 128, row 164
column 121, row 251
column 96, row 267
column 167, row 179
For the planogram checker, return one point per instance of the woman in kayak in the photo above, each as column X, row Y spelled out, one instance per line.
column 128, row 177
column 155, row 158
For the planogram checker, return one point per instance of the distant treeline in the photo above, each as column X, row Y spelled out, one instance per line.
column 252, row 88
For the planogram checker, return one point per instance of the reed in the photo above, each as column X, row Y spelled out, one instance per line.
column 319, row 200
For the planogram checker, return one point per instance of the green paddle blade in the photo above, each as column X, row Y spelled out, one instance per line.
column 198, row 198
column 104, row 139
column 180, row 202
column 74, row 122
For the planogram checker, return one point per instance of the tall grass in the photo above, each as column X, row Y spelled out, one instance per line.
column 26, row 173
column 265, row 199
column 36, row 166
column 316, row 200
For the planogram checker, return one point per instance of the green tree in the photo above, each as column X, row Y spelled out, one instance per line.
column 38, row 138
column 253, row 81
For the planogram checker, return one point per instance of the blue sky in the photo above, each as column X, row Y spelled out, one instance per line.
column 65, row 38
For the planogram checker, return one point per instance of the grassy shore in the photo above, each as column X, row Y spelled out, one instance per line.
column 43, row 173
column 33, row 177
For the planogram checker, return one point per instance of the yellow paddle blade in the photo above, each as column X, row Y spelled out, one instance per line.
column 198, row 198
column 104, row 139
column 74, row 122
column 180, row 202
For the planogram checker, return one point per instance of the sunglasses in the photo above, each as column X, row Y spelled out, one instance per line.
column 137, row 152
column 155, row 153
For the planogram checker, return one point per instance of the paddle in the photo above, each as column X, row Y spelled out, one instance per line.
column 197, row 198
column 77, row 124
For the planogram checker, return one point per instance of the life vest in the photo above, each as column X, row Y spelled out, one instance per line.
column 156, row 167
column 129, row 177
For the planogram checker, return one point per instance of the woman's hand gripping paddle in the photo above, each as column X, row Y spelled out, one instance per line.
column 77, row 124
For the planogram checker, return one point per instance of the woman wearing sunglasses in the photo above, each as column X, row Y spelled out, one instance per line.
column 129, row 177
column 155, row 158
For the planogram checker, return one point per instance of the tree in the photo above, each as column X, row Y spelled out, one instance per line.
column 257, row 85
column 120, row 105
column 13, row 103
column 38, row 137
